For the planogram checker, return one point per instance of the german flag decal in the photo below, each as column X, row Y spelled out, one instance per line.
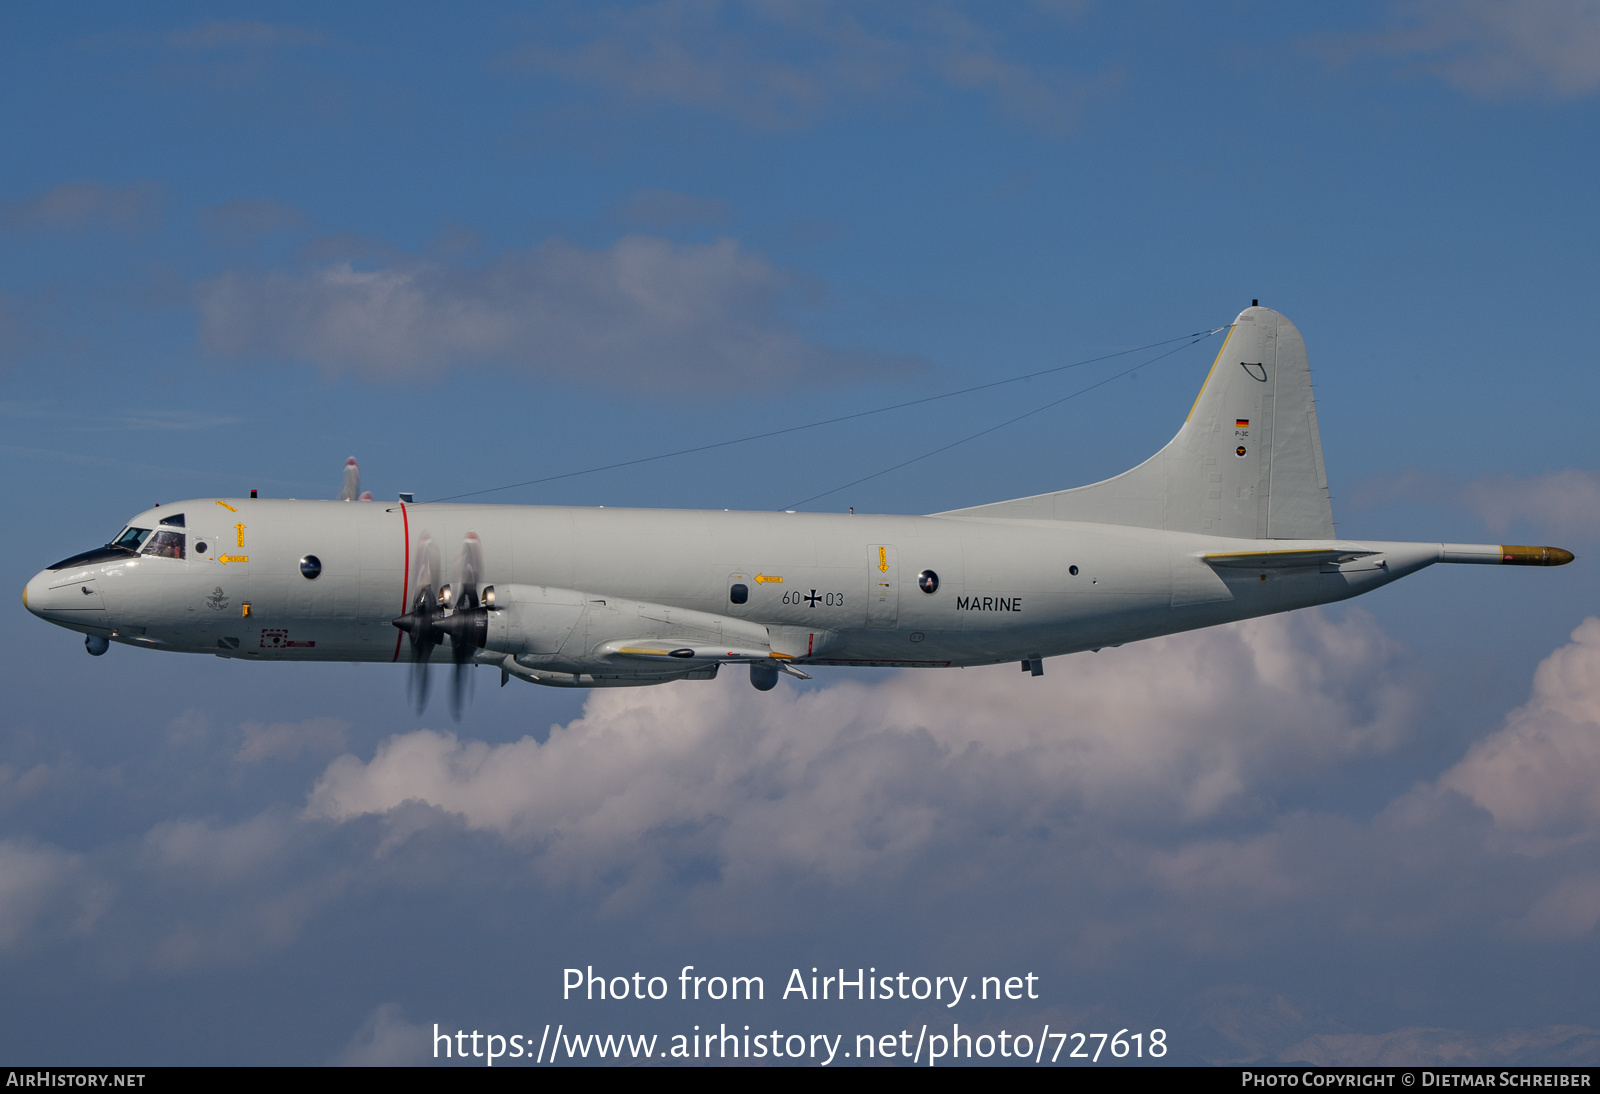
column 1241, row 423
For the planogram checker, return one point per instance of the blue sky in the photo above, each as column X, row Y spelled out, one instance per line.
column 238, row 245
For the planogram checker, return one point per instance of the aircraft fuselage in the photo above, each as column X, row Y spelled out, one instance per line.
column 822, row 588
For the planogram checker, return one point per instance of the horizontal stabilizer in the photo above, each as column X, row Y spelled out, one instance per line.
column 1359, row 557
column 1285, row 560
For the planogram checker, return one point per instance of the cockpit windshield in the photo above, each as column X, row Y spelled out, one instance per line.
column 123, row 548
column 130, row 539
column 165, row 544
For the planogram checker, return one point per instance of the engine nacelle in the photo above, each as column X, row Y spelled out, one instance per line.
column 558, row 637
column 535, row 619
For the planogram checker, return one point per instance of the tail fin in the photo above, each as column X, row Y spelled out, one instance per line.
column 1247, row 462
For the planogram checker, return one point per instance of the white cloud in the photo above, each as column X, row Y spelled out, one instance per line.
column 286, row 740
column 386, row 1039
column 74, row 206
column 969, row 58
column 17, row 786
column 67, row 779
column 1128, row 808
column 1568, row 911
column 218, row 930
column 781, row 65
column 202, row 850
column 1148, row 774
column 1558, row 504
column 688, row 54
column 1540, row 775
column 203, row 894
column 852, row 778
column 45, row 892
column 1567, row 503
column 1493, row 48
column 1424, row 868
column 644, row 312
column 191, row 728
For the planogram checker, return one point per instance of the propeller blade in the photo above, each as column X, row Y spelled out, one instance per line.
column 419, row 685
column 467, row 624
column 421, row 623
column 471, row 569
column 460, row 685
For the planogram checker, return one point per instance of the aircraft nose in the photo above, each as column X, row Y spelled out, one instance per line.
column 65, row 597
column 36, row 593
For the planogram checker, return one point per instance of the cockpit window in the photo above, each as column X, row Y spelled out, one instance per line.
column 131, row 538
column 175, row 520
column 165, row 545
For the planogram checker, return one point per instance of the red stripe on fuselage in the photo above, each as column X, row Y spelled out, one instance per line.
column 405, row 587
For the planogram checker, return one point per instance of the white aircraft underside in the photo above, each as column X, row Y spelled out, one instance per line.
column 1229, row 521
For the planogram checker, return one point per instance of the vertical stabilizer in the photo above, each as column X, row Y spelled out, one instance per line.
column 1247, row 462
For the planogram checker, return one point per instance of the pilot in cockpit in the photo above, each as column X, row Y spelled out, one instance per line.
column 165, row 544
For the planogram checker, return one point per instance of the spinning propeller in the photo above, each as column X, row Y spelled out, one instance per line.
column 456, row 613
column 351, row 490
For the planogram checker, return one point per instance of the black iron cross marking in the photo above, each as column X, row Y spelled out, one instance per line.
column 813, row 598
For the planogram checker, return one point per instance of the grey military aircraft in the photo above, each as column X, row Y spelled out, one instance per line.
column 1230, row 520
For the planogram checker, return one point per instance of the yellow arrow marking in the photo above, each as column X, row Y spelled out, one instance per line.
column 240, row 529
column 225, row 559
column 768, row 579
column 228, row 507
column 883, row 559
